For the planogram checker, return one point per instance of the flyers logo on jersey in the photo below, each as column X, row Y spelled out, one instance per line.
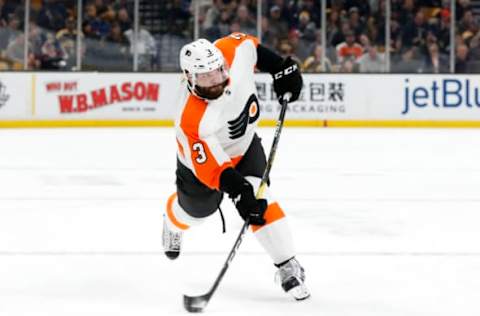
column 250, row 113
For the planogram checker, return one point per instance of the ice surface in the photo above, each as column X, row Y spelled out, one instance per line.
column 386, row 222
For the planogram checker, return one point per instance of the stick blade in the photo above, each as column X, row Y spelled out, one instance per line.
column 195, row 304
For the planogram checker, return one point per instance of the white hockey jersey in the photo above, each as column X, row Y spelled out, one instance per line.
column 214, row 135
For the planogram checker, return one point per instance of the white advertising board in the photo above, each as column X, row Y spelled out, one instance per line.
column 427, row 97
column 142, row 97
column 127, row 96
column 379, row 97
column 322, row 96
column 15, row 94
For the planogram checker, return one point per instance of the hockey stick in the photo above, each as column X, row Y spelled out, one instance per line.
column 196, row 304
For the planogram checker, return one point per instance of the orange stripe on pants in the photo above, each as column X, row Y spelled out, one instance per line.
column 170, row 214
column 272, row 214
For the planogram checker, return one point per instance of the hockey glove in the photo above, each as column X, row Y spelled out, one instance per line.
column 288, row 79
column 242, row 195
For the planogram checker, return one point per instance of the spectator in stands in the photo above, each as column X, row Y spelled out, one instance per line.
column 108, row 15
column 99, row 4
column 67, row 38
column 313, row 63
column 268, row 37
column 474, row 50
column 395, row 36
column 124, row 20
column 52, row 16
column 461, row 61
column 87, row 30
column 349, row 48
column 278, row 26
column 6, row 8
column 435, row 62
column 409, row 62
column 96, row 27
column 15, row 51
column 443, row 30
column 364, row 40
column 145, row 46
column 289, row 10
column 178, row 19
column 371, row 61
column 116, row 36
column 234, row 27
column 372, row 30
column 52, row 54
column 404, row 11
column 356, row 23
column 378, row 17
column 285, row 49
column 347, row 66
column 36, row 38
column 415, row 32
column 339, row 36
column 467, row 23
column 177, row 33
column 9, row 33
column 306, row 27
column 300, row 45
column 245, row 21
column 112, row 53
column 333, row 26
column 430, row 38
column 221, row 27
column 362, row 6
column 460, row 8
column 209, row 14
column 312, row 7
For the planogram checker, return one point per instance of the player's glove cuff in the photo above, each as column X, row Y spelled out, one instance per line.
column 232, row 182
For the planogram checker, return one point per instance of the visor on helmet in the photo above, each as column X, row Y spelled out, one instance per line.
column 211, row 78
column 211, row 84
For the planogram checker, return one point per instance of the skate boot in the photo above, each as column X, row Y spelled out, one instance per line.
column 291, row 276
column 171, row 240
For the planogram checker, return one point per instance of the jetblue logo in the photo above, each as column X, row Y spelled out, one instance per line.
column 444, row 93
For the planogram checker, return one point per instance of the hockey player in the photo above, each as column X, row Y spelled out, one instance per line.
column 219, row 151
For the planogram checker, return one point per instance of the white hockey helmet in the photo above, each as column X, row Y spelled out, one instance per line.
column 203, row 65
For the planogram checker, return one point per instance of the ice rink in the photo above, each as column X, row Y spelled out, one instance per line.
column 386, row 222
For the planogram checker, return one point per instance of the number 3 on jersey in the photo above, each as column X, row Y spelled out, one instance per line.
column 201, row 155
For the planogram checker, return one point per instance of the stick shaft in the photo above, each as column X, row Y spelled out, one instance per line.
column 260, row 193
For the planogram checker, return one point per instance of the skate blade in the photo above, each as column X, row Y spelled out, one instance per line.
column 300, row 292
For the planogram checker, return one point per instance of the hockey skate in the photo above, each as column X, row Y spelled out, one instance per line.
column 291, row 276
column 171, row 240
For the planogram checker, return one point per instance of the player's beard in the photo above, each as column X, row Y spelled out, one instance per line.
column 213, row 92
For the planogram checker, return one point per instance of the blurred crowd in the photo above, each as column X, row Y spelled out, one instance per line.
column 106, row 37
column 355, row 33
